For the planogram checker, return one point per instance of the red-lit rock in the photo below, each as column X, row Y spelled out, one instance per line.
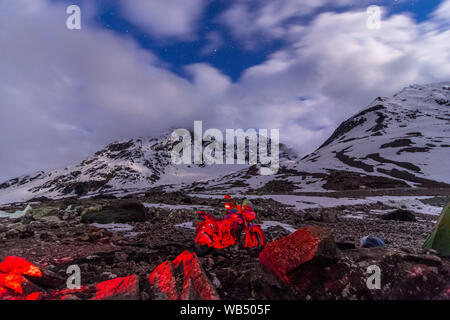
column 163, row 279
column 167, row 278
column 3, row 292
column 12, row 282
column 83, row 293
column 287, row 254
column 16, row 285
column 48, row 280
column 126, row 288
column 196, row 284
column 17, row 265
column 33, row 296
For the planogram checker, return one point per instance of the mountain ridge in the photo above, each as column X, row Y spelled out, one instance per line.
column 401, row 141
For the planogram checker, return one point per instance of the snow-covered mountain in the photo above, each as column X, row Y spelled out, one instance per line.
column 122, row 167
column 403, row 141
column 397, row 142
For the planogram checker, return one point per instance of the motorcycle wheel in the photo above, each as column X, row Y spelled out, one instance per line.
column 201, row 250
column 255, row 251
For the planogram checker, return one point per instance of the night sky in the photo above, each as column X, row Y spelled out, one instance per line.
column 228, row 55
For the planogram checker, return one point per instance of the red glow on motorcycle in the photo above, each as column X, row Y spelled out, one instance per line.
column 221, row 233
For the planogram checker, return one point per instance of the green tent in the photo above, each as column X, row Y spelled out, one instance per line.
column 439, row 239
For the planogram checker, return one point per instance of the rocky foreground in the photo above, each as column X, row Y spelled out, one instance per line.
column 127, row 250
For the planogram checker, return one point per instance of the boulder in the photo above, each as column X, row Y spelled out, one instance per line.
column 83, row 293
column 287, row 254
column 11, row 234
column 16, row 287
column 13, row 284
column 399, row 215
column 18, row 265
column 428, row 259
column 40, row 212
column 163, row 282
column 126, row 288
column 329, row 216
column 19, row 230
column 48, row 280
column 117, row 213
column 16, row 226
column 182, row 279
column 312, row 216
column 52, row 220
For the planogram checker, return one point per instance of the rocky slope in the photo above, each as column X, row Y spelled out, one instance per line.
column 398, row 142
column 145, row 248
column 122, row 167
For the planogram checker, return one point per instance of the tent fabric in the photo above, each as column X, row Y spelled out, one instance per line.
column 439, row 238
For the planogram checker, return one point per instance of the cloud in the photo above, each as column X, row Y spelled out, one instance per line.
column 162, row 18
column 207, row 79
column 256, row 22
column 442, row 15
column 341, row 66
column 443, row 11
column 66, row 93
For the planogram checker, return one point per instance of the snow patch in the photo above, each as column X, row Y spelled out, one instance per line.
column 185, row 225
column 113, row 227
column 175, row 206
column 15, row 215
column 267, row 224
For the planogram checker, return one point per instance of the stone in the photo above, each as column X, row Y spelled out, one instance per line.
column 40, row 212
column 121, row 256
column 329, row 216
column 13, row 281
column 36, row 225
column 117, row 213
column 426, row 259
column 52, row 220
column 312, row 216
column 182, row 279
column 399, row 215
column 17, row 226
column 287, row 254
column 126, row 288
column 13, row 233
column 48, row 280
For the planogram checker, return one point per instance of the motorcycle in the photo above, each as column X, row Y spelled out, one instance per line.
column 220, row 233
